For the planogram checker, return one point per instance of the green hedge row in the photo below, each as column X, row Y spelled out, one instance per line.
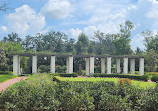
column 40, row 93
column 65, row 74
column 6, row 72
column 154, row 78
column 130, row 76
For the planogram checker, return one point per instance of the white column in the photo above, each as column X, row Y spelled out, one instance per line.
column 16, row 65
column 91, row 65
column 87, row 66
column 118, row 66
column 141, row 66
column 108, row 65
column 125, row 66
column 132, row 66
column 19, row 70
column 67, row 65
column 70, row 65
column 34, row 64
column 52, row 64
column 102, row 65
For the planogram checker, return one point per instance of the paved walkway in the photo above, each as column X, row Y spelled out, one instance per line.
column 5, row 84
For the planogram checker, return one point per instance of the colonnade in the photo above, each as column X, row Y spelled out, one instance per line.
column 89, row 66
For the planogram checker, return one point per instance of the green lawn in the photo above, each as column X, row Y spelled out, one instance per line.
column 6, row 77
column 134, row 82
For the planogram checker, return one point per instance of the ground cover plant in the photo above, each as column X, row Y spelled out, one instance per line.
column 5, row 77
column 115, row 80
column 39, row 92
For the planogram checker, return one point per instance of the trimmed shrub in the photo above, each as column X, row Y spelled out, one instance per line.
column 69, row 75
column 154, row 78
column 6, row 72
column 36, row 93
column 130, row 76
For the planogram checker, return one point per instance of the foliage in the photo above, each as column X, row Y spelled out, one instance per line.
column 36, row 93
column 115, row 80
column 154, row 78
column 130, row 76
column 3, row 60
column 124, row 81
column 39, row 92
column 6, row 72
column 151, row 60
column 69, row 75
column 122, row 40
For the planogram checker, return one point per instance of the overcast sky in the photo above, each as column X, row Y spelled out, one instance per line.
column 29, row 17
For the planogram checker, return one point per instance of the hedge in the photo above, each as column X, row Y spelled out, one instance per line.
column 154, row 78
column 40, row 93
column 64, row 74
column 6, row 72
column 68, row 75
column 130, row 76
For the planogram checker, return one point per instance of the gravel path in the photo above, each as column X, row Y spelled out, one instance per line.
column 5, row 84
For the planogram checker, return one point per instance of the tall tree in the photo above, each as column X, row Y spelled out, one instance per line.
column 122, row 40
column 82, row 44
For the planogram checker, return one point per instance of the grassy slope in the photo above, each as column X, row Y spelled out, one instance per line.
column 6, row 77
column 134, row 82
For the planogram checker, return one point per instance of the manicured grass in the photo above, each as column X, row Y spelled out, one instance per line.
column 115, row 80
column 6, row 77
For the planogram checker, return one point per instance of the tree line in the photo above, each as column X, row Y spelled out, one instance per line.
column 58, row 42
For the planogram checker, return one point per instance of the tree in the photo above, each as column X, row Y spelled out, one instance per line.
column 151, row 60
column 122, row 40
column 151, row 41
column 3, row 60
column 104, row 43
column 82, row 44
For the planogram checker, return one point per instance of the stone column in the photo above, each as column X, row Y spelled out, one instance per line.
column 19, row 65
column 52, row 64
column 67, row 65
column 34, row 64
column 125, row 66
column 102, row 65
column 70, row 65
column 87, row 66
column 141, row 66
column 118, row 69
column 108, row 65
column 132, row 67
column 16, row 66
column 91, row 65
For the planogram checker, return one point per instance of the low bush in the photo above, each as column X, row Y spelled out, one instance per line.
column 40, row 93
column 130, row 76
column 154, row 78
column 6, row 72
column 152, row 73
column 68, row 75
